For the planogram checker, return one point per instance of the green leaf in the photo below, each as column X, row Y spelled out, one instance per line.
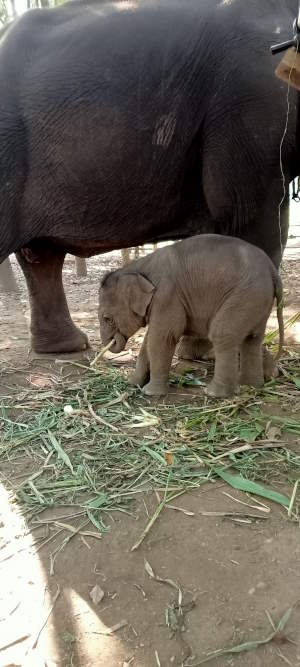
column 251, row 645
column 296, row 381
column 61, row 452
column 37, row 494
column 186, row 380
column 155, row 455
column 212, row 431
column 97, row 502
column 98, row 524
column 243, row 484
column 283, row 621
column 251, row 433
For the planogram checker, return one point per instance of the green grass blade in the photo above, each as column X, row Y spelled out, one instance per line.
column 269, row 337
column 97, row 502
column 61, row 453
column 243, row 484
column 155, row 455
column 285, row 618
column 248, row 646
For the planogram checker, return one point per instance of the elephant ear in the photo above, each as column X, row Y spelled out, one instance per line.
column 141, row 294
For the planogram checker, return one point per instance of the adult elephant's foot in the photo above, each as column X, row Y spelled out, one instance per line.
column 51, row 326
column 217, row 389
column 68, row 339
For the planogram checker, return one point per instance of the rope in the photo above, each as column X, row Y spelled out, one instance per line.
column 280, row 152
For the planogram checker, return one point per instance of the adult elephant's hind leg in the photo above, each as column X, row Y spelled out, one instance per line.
column 52, row 329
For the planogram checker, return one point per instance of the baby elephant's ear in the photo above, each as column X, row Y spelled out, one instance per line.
column 141, row 294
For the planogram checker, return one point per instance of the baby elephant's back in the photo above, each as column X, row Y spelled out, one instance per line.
column 227, row 270
column 256, row 280
column 225, row 257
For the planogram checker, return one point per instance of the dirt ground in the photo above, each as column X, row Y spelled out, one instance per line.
column 231, row 574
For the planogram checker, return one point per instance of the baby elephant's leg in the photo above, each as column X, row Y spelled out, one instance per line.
column 251, row 361
column 225, row 381
column 224, row 334
column 141, row 374
column 160, row 353
column 191, row 348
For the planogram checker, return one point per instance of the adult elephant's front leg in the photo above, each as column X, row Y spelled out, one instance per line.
column 51, row 327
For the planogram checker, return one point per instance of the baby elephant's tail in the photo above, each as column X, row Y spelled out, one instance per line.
column 279, row 304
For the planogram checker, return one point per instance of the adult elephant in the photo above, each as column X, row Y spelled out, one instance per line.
column 126, row 122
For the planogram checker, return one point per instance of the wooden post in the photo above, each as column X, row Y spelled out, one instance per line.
column 125, row 252
column 81, row 268
column 8, row 281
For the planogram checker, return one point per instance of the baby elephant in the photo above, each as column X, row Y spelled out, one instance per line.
column 212, row 287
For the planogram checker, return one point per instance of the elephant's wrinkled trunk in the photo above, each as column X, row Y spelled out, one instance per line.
column 119, row 344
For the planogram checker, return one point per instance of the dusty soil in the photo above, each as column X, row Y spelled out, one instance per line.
column 230, row 573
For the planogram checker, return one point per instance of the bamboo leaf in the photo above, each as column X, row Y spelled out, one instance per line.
column 248, row 646
column 61, row 453
column 243, row 484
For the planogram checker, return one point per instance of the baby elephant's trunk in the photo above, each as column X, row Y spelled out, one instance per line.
column 279, row 304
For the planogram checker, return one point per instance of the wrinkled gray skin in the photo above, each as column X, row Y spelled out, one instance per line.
column 194, row 349
column 218, row 289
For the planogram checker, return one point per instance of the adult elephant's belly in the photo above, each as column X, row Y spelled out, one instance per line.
column 113, row 184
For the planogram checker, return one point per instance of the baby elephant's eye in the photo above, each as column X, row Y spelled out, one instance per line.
column 108, row 320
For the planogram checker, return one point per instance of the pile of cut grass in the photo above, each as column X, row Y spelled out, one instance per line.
column 95, row 444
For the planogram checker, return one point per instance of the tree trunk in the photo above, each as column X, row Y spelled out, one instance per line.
column 13, row 8
column 81, row 268
column 125, row 252
column 8, row 282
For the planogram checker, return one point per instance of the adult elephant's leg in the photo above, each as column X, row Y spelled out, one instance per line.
column 283, row 226
column 8, row 281
column 270, row 230
column 243, row 191
column 52, row 329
